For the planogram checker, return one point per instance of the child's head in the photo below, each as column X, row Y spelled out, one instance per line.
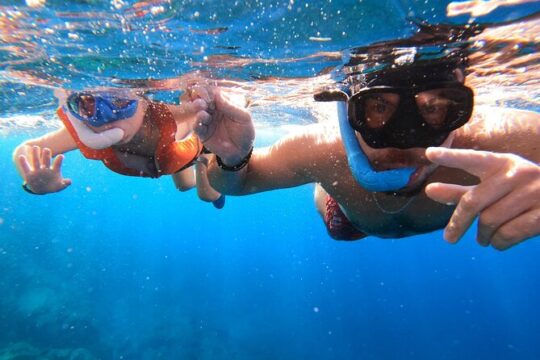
column 104, row 118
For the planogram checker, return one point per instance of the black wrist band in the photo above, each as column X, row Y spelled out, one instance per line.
column 242, row 164
column 28, row 190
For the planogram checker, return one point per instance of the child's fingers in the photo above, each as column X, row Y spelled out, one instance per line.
column 57, row 163
column 35, row 157
column 201, row 92
column 203, row 125
column 204, row 118
column 201, row 130
column 46, row 157
column 190, row 107
column 24, row 165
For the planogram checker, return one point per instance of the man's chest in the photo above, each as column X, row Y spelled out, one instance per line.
column 400, row 217
column 391, row 216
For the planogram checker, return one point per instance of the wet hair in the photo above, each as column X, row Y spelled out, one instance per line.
column 432, row 54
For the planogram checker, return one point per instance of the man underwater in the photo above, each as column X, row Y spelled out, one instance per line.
column 413, row 156
column 129, row 133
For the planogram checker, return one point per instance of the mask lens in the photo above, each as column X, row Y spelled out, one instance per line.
column 440, row 108
column 120, row 103
column 373, row 110
column 379, row 108
column 82, row 104
column 443, row 108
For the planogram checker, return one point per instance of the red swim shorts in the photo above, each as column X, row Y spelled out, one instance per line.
column 337, row 224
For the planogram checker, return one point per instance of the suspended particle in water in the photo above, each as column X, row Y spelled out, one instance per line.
column 320, row 39
column 118, row 4
column 316, row 309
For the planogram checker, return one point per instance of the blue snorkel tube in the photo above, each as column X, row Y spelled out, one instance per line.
column 363, row 172
column 361, row 169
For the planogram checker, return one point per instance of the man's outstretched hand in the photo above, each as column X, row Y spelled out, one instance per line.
column 507, row 200
column 225, row 128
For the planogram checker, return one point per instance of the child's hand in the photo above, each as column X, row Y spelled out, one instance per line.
column 39, row 175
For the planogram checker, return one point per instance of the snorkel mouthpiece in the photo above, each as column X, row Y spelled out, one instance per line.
column 93, row 140
column 363, row 172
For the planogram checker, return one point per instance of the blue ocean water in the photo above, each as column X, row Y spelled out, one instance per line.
column 126, row 268
column 130, row 269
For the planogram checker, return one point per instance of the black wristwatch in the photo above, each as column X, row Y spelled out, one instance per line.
column 242, row 164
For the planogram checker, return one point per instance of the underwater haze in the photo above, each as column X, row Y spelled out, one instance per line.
column 117, row 267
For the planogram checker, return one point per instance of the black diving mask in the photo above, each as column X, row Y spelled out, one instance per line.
column 407, row 117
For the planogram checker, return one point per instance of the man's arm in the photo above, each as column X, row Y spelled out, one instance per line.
column 226, row 129
column 293, row 161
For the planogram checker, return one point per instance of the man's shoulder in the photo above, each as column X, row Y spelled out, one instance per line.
column 491, row 128
column 497, row 114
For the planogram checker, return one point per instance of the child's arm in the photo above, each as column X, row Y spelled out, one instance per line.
column 184, row 180
column 205, row 191
column 33, row 159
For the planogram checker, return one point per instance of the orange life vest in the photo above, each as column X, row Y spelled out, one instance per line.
column 170, row 156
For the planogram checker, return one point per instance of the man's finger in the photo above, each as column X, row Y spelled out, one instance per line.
column 234, row 112
column 517, row 230
column 479, row 163
column 24, row 165
column 448, row 194
column 472, row 203
column 507, row 208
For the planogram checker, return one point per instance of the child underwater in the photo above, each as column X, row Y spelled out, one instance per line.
column 130, row 134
